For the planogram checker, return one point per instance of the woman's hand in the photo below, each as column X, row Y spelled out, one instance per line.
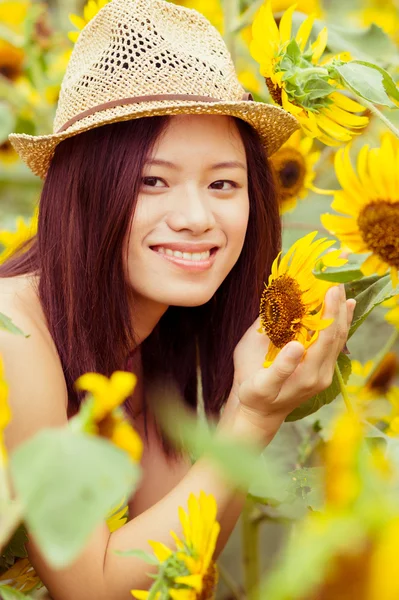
column 266, row 395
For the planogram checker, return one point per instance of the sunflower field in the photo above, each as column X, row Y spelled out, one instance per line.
column 321, row 519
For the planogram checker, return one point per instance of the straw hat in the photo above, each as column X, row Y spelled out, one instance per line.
column 140, row 58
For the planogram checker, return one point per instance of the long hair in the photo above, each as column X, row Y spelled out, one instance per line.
column 86, row 207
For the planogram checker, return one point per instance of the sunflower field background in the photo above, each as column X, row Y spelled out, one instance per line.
column 321, row 521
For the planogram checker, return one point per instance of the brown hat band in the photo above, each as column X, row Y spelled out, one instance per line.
column 148, row 98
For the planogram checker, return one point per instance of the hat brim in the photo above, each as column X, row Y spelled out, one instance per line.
column 273, row 124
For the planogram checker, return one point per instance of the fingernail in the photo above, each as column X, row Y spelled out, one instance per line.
column 294, row 351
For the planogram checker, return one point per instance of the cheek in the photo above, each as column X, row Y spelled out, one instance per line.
column 236, row 225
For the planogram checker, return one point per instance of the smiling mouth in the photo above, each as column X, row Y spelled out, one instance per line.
column 195, row 257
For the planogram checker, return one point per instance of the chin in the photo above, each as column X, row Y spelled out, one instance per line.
column 193, row 299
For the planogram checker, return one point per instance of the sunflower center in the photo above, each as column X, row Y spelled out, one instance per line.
column 379, row 227
column 281, row 310
column 11, row 61
column 209, row 582
column 275, row 91
column 290, row 168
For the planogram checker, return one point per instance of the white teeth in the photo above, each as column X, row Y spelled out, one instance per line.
column 194, row 256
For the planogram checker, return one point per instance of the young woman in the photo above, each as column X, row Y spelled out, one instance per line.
column 155, row 237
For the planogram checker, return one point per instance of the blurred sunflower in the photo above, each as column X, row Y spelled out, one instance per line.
column 369, row 381
column 383, row 13
column 11, row 61
column 392, row 316
column 211, row 9
column 304, row 6
column 297, row 82
column 392, row 420
column 189, row 573
column 89, row 11
column 5, row 413
column 370, row 199
column 8, row 155
column 13, row 13
column 293, row 167
column 13, row 240
column 106, row 419
column 293, row 300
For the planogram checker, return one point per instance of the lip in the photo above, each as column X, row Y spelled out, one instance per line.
column 192, row 266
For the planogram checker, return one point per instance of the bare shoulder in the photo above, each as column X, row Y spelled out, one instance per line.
column 37, row 389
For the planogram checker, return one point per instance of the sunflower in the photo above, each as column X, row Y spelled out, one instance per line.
column 211, row 9
column 293, row 167
column 370, row 199
column 8, row 156
column 12, row 240
column 11, row 61
column 297, row 82
column 392, row 420
column 13, row 14
column 189, row 572
column 89, row 11
column 383, row 13
column 293, row 300
column 5, row 413
column 304, row 6
column 106, row 418
column 392, row 316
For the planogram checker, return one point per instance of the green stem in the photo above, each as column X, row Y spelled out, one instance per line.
column 383, row 352
column 247, row 17
column 229, row 582
column 231, row 11
column 377, row 113
column 344, row 391
column 250, row 542
column 303, row 73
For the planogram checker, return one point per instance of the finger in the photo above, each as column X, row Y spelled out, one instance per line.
column 265, row 384
column 350, row 307
column 341, row 334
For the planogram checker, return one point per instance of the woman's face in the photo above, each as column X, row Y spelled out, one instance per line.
column 191, row 217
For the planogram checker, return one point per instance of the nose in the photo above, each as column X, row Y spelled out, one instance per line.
column 193, row 211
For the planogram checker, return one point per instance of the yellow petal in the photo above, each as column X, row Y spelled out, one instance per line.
column 77, row 21
column 319, row 45
column 161, row 551
column 346, row 103
column 304, row 30
column 286, row 24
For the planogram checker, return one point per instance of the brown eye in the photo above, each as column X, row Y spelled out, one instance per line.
column 222, row 181
column 151, row 181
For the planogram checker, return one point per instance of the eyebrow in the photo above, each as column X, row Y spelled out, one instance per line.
column 229, row 164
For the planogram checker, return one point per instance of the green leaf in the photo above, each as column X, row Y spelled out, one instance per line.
column 240, row 463
column 354, row 288
column 9, row 593
column 326, row 396
column 68, row 482
column 15, row 548
column 8, row 325
column 7, row 121
column 368, row 81
column 344, row 274
column 293, row 51
column 369, row 298
column 146, row 556
column 363, row 44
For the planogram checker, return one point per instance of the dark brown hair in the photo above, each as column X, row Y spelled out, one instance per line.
column 87, row 202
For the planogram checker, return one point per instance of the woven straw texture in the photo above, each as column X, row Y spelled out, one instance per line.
column 141, row 47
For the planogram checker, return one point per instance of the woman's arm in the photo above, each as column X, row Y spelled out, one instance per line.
column 259, row 402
